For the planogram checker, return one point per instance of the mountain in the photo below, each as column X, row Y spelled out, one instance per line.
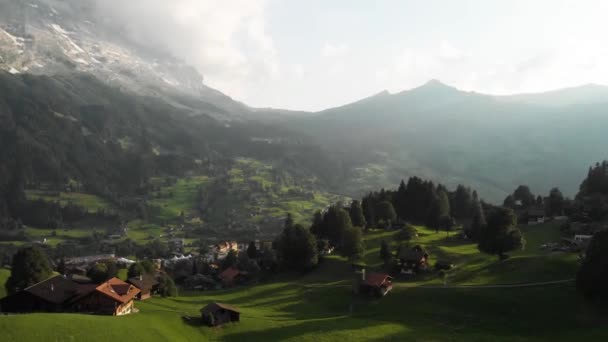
column 491, row 143
column 586, row 94
column 48, row 37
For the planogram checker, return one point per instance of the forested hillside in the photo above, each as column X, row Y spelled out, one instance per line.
column 492, row 143
column 74, row 133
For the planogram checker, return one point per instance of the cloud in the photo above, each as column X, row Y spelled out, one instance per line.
column 331, row 50
column 226, row 40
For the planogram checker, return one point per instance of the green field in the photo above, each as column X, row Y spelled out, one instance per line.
column 91, row 202
column 4, row 274
column 319, row 306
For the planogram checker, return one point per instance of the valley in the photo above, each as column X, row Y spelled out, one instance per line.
column 319, row 305
column 136, row 191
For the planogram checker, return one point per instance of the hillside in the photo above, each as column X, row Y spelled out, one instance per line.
column 319, row 305
column 491, row 143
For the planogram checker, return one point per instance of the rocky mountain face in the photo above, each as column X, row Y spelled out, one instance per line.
column 57, row 36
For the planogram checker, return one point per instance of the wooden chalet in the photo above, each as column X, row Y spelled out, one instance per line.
column 147, row 285
column 49, row 295
column 415, row 259
column 232, row 276
column 113, row 297
column 215, row 314
column 376, row 284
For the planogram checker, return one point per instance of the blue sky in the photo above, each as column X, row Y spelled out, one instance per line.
column 317, row 54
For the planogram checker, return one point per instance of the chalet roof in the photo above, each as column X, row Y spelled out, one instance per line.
column 56, row 289
column 144, row 283
column 376, row 279
column 412, row 255
column 118, row 290
column 212, row 307
column 229, row 273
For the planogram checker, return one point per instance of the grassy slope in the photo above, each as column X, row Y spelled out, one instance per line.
column 91, row 202
column 319, row 306
column 4, row 274
column 231, row 205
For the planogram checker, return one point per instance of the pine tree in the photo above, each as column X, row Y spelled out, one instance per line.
column 252, row 251
column 356, row 214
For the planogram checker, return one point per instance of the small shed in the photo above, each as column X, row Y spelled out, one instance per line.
column 215, row 314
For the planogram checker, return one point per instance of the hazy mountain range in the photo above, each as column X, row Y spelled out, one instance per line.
column 492, row 143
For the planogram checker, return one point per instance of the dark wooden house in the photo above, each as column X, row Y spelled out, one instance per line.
column 49, row 295
column 415, row 259
column 215, row 314
column 147, row 285
column 376, row 284
column 114, row 297
column 233, row 276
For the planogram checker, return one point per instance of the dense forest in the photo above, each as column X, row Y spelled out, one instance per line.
column 74, row 133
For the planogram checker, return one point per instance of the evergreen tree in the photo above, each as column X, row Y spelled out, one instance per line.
column 356, row 214
column 555, row 202
column 30, row 266
column 592, row 277
column 400, row 202
column 462, row 203
column 297, row 248
column 501, row 234
column 368, row 206
column 523, row 194
column 252, row 251
column 439, row 208
column 136, row 270
column 318, row 227
column 352, row 246
column 337, row 221
column 386, row 212
column 477, row 223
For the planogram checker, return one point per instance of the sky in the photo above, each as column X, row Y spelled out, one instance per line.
column 316, row 54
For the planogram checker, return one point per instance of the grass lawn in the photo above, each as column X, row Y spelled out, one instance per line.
column 180, row 197
column 319, row 306
column 4, row 274
column 285, row 311
column 91, row 202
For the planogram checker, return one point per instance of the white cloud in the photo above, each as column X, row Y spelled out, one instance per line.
column 335, row 50
column 226, row 40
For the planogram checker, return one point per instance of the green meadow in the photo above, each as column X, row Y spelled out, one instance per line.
column 91, row 202
column 319, row 305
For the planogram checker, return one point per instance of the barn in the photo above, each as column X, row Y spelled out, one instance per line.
column 215, row 314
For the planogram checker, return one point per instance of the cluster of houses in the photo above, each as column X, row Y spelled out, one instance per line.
column 61, row 294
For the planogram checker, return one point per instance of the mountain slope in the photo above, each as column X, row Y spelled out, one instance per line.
column 463, row 137
column 586, row 94
column 51, row 37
